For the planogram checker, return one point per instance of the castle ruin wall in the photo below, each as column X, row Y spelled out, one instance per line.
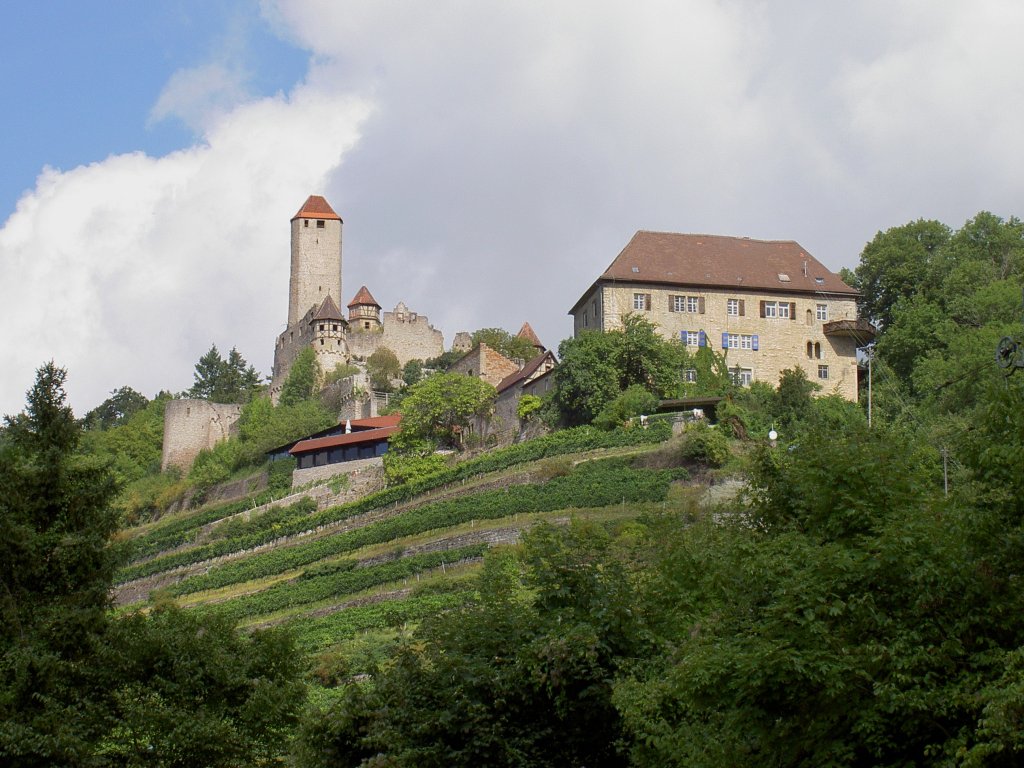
column 194, row 425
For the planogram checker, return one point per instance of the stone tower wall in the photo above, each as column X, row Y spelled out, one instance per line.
column 192, row 425
column 315, row 266
column 289, row 344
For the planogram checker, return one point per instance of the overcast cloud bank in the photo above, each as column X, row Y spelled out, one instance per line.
column 490, row 160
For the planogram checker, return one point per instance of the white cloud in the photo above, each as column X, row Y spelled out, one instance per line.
column 126, row 270
column 201, row 95
column 511, row 152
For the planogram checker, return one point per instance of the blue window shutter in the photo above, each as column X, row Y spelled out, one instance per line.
column 754, row 342
column 682, row 336
column 725, row 341
column 702, row 341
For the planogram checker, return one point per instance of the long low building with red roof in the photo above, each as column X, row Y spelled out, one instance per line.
column 350, row 440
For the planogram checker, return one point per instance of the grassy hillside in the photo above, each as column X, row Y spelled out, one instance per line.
column 347, row 577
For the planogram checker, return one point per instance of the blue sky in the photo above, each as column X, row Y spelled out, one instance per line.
column 489, row 159
column 82, row 78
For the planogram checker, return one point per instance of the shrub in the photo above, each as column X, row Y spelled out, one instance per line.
column 632, row 402
column 279, row 475
column 704, row 444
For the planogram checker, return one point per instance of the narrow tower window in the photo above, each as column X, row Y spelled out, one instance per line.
column 319, row 223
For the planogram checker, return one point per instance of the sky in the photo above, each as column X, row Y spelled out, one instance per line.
column 489, row 159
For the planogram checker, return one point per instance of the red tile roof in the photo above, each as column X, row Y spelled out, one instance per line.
column 390, row 420
column 716, row 261
column 525, row 372
column 526, row 332
column 328, row 310
column 316, row 207
column 352, row 438
column 363, row 298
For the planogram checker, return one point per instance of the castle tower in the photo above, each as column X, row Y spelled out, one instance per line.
column 316, row 257
column 364, row 311
column 328, row 333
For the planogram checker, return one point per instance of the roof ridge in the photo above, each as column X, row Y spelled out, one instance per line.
column 328, row 310
column 316, row 207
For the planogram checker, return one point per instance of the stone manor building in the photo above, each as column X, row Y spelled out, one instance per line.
column 766, row 305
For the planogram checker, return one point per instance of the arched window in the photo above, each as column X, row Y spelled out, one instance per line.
column 810, row 318
column 810, row 349
column 817, row 351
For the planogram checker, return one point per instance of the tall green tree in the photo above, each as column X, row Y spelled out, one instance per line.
column 439, row 410
column 586, row 378
column 81, row 688
column 303, row 378
column 898, row 263
column 383, row 367
column 224, row 381
column 122, row 404
column 55, row 572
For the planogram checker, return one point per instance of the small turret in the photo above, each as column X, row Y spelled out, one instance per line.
column 329, row 335
column 364, row 311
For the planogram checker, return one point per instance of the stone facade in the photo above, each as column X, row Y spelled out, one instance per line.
column 797, row 340
column 193, row 425
column 485, row 363
column 766, row 305
column 361, row 472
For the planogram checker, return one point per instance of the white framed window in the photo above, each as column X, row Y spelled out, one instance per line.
column 746, row 341
column 822, row 371
column 733, row 340
column 742, row 377
column 678, row 303
column 783, row 310
column 690, row 375
column 641, row 301
column 692, row 338
column 821, row 311
column 732, row 307
column 692, row 304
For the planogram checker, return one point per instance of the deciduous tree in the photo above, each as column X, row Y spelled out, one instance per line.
column 439, row 410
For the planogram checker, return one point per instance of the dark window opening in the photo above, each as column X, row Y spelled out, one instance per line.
column 319, row 223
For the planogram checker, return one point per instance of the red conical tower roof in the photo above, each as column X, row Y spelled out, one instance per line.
column 526, row 332
column 316, row 207
column 363, row 299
